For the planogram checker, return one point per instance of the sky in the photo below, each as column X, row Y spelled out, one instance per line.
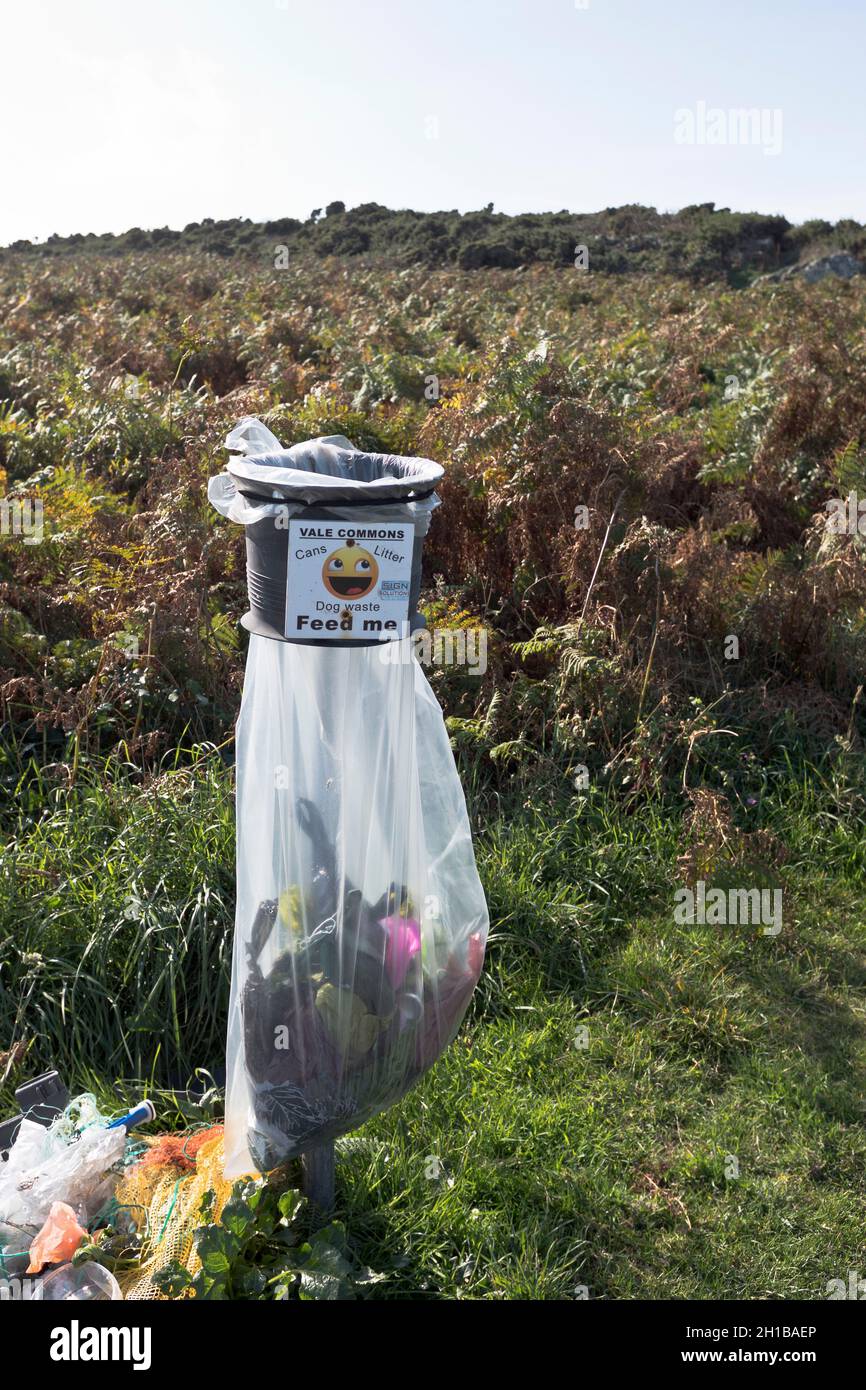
column 118, row 115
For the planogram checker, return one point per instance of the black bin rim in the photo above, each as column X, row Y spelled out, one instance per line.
column 334, row 474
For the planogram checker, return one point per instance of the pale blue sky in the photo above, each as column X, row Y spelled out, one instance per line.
column 117, row 115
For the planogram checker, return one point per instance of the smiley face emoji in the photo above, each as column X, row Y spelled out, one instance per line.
column 350, row 572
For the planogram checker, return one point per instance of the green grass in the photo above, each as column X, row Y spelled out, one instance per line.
column 525, row 1165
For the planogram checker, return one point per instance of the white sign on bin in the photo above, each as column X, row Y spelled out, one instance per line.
column 348, row 580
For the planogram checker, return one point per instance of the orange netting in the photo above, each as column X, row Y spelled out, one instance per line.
column 179, row 1149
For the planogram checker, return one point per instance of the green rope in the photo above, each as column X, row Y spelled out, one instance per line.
column 171, row 1207
column 13, row 1255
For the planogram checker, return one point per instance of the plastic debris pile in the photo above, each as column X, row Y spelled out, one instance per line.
column 58, row 1183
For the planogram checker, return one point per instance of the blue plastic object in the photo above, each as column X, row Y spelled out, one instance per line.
column 141, row 1115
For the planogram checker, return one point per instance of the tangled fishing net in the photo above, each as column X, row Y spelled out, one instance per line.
column 163, row 1195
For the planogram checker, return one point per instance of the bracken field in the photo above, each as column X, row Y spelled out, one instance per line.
column 638, row 466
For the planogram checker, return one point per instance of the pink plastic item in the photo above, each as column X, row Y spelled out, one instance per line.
column 404, row 941
column 58, row 1240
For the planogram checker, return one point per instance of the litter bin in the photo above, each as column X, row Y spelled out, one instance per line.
column 333, row 536
column 361, row 922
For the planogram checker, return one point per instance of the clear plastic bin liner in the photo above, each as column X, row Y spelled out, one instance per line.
column 361, row 921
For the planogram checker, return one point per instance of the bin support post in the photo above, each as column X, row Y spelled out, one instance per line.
column 317, row 1176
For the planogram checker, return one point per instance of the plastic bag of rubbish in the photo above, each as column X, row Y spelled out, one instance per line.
column 361, row 922
column 75, row 1283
